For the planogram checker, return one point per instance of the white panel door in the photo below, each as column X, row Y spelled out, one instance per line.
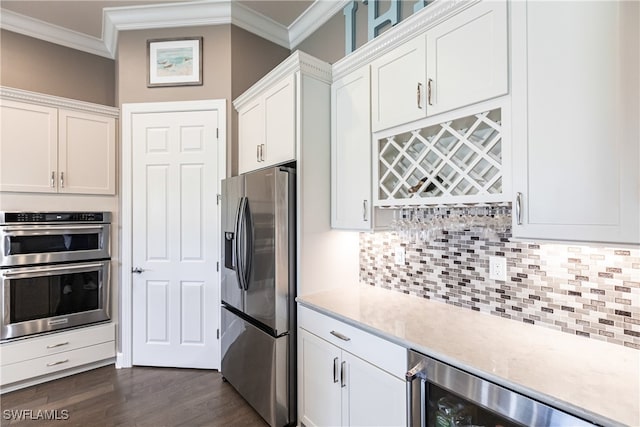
column 175, row 240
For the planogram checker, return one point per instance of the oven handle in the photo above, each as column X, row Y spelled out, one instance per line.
column 49, row 230
column 417, row 372
column 22, row 271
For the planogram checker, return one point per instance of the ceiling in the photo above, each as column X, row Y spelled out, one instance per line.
column 92, row 25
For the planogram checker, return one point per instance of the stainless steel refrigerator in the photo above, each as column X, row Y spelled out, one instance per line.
column 258, row 291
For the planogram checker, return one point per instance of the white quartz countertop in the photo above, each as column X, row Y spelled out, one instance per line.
column 586, row 377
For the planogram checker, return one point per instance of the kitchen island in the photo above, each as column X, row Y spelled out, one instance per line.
column 591, row 379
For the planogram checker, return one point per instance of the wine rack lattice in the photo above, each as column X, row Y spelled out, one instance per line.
column 461, row 157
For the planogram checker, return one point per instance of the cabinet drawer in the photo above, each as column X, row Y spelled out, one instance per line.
column 33, row 348
column 56, row 362
column 377, row 351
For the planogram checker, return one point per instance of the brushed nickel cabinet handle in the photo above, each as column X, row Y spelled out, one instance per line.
column 364, row 210
column 341, row 336
column 429, row 84
column 419, row 95
column 53, row 179
column 258, row 153
column 262, row 152
column 343, row 375
column 58, row 345
column 61, row 179
column 519, row 208
column 335, row 369
column 60, row 362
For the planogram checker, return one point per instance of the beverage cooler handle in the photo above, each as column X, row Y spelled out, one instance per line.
column 417, row 372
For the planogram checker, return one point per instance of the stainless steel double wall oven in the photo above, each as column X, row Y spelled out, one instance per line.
column 54, row 271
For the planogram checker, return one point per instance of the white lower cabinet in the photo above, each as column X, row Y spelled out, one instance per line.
column 42, row 356
column 347, row 377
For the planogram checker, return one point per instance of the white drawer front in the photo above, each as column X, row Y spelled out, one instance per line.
column 32, row 348
column 56, row 362
column 375, row 350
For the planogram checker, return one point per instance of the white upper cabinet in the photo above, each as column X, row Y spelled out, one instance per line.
column 86, row 153
column 51, row 148
column 270, row 112
column 467, row 60
column 458, row 62
column 267, row 127
column 252, row 136
column 28, row 147
column 575, row 120
column 398, row 83
column 351, row 151
column 280, row 122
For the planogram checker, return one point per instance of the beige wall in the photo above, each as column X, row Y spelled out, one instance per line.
column 251, row 58
column 233, row 60
column 327, row 43
column 39, row 66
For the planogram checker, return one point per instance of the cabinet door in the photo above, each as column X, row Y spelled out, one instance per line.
column 28, row 147
column 575, row 120
column 280, row 119
column 467, row 57
column 371, row 396
column 351, row 151
column 319, row 381
column 397, row 89
column 87, row 153
column 250, row 136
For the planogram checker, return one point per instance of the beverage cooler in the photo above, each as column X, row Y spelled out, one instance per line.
column 440, row 395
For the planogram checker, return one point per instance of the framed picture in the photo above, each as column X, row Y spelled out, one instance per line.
column 174, row 62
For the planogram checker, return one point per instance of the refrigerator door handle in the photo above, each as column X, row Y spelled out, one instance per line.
column 248, row 231
column 239, row 243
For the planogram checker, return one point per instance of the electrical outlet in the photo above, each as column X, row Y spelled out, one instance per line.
column 400, row 255
column 498, row 268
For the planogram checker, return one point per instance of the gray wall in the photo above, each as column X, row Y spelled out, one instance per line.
column 39, row 66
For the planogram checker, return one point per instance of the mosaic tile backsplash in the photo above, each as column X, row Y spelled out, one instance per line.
column 582, row 290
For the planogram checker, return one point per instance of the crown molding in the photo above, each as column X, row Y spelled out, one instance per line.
column 56, row 101
column 52, row 33
column 313, row 18
column 297, row 61
column 172, row 15
column 413, row 26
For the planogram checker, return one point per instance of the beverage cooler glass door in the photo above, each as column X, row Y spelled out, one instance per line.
column 439, row 395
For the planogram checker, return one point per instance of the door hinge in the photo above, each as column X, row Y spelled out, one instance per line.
column 217, row 266
column 218, row 333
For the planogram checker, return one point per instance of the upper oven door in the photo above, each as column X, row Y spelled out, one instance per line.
column 42, row 244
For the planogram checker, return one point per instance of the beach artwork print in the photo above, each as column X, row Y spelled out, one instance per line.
column 175, row 62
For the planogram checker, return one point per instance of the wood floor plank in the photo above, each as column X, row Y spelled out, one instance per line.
column 136, row 397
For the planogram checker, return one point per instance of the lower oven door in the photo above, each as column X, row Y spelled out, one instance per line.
column 441, row 395
column 50, row 297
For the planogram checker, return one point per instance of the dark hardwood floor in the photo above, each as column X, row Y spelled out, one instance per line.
column 139, row 396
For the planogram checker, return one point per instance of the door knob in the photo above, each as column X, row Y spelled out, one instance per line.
column 137, row 270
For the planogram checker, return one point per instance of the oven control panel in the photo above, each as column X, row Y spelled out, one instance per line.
column 52, row 217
